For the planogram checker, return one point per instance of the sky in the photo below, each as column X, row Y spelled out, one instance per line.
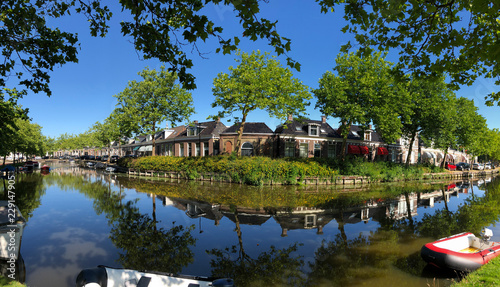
column 82, row 93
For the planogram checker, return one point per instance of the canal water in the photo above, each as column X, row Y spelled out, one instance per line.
column 260, row 236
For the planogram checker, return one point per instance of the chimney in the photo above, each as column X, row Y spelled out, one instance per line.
column 218, row 119
column 195, row 122
column 290, row 117
column 166, row 126
column 323, row 119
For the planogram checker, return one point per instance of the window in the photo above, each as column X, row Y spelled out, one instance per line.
column 313, row 130
column 303, row 149
column 290, row 148
column 197, row 151
column 298, row 128
column 189, row 149
column 216, row 147
column 310, row 221
column 368, row 136
column 181, row 149
column 332, row 150
column 193, row 131
column 247, row 149
column 317, row 150
column 205, row 149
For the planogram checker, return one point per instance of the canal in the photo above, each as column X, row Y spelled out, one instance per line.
column 260, row 236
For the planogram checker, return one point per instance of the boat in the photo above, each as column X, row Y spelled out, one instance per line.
column 110, row 169
column 12, row 225
column 45, row 167
column 462, row 252
column 104, row 276
column 36, row 164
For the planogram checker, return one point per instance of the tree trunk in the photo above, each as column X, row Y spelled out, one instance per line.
column 410, row 149
column 4, row 159
column 444, row 157
column 240, row 133
column 153, row 149
column 344, row 135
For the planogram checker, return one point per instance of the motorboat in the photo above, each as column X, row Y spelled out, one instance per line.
column 12, row 225
column 103, row 276
column 110, row 169
column 461, row 252
column 45, row 167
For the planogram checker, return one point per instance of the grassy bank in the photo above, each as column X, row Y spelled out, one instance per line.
column 8, row 283
column 487, row 275
column 261, row 170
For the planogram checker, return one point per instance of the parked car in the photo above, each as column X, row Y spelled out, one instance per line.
column 477, row 166
column 104, row 158
column 463, row 166
column 487, row 166
column 114, row 158
column 450, row 166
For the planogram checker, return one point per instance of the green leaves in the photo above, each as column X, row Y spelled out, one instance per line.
column 363, row 91
column 153, row 100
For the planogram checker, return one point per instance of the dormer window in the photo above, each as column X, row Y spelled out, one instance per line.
column 313, row 130
column 193, row 131
column 368, row 136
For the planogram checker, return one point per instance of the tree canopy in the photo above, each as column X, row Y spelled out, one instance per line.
column 258, row 82
column 363, row 91
column 457, row 37
column 155, row 99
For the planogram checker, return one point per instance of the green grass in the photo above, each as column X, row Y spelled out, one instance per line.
column 7, row 282
column 487, row 275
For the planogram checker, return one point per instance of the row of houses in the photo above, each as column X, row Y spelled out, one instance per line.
column 298, row 138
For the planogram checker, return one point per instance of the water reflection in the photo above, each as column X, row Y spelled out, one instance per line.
column 273, row 236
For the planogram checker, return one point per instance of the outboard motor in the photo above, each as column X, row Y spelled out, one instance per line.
column 486, row 234
column 95, row 277
column 223, row 282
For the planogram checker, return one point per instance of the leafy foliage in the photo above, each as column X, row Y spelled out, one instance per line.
column 258, row 82
column 457, row 37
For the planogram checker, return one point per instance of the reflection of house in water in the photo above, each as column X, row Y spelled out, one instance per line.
column 399, row 208
column 303, row 218
column 195, row 209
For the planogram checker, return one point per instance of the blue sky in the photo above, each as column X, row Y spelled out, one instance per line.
column 82, row 93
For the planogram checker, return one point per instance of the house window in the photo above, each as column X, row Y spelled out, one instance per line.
column 205, row 149
column 290, row 148
column 193, row 131
column 181, row 149
column 189, row 149
column 247, row 149
column 313, row 130
column 368, row 136
column 303, row 149
column 310, row 221
column 197, row 149
column 332, row 150
column 216, row 147
column 317, row 150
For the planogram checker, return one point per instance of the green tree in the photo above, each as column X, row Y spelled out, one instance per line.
column 154, row 100
column 363, row 91
column 107, row 132
column 158, row 29
column 427, row 98
column 459, row 37
column 258, row 82
column 458, row 127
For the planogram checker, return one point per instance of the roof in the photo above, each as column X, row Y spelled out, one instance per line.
column 249, row 128
column 209, row 128
column 301, row 127
column 357, row 132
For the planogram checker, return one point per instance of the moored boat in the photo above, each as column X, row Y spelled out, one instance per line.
column 104, row 276
column 461, row 252
column 45, row 167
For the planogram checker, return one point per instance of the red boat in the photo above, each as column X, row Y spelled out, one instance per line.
column 462, row 252
column 45, row 167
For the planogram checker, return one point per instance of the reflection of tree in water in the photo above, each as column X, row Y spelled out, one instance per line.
column 29, row 189
column 275, row 267
column 144, row 246
column 147, row 247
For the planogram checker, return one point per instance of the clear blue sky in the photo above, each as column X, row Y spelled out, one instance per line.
column 83, row 92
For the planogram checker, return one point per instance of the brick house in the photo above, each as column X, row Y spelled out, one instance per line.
column 256, row 140
column 306, row 138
